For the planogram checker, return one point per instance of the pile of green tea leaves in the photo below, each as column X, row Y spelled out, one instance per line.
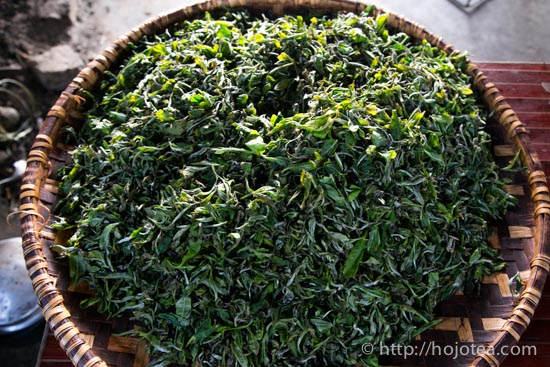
column 279, row 191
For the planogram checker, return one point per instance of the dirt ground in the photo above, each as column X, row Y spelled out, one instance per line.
column 43, row 45
column 22, row 33
column 31, row 79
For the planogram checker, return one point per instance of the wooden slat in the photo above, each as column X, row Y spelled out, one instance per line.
column 543, row 309
column 526, row 361
column 516, row 190
column 534, row 119
column 503, row 286
column 521, row 84
column 537, row 334
column 517, row 76
column 538, row 105
column 520, row 232
column 504, row 150
column 122, row 344
column 511, row 90
column 458, row 324
column 493, row 323
column 543, row 151
column 53, row 351
column 539, row 135
column 485, row 66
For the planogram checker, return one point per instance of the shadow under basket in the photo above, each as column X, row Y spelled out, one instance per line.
column 481, row 328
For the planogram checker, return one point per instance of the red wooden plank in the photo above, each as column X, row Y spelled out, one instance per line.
column 523, row 90
column 542, row 312
column 543, row 151
column 512, row 66
column 539, row 135
column 52, row 351
column 517, row 76
column 538, row 333
column 535, row 115
column 522, row 361
column 534, row 119
column 539, row 105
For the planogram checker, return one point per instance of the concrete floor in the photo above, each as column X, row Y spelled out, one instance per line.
column 499, row 30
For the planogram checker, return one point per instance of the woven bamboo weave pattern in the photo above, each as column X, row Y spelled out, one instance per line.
column 496, row 316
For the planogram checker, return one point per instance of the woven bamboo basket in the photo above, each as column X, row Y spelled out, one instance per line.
column 494, row 318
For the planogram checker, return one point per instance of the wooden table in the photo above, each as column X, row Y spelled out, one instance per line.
column 522, row 85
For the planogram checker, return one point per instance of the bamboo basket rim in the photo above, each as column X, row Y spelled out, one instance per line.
column 67, row 106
